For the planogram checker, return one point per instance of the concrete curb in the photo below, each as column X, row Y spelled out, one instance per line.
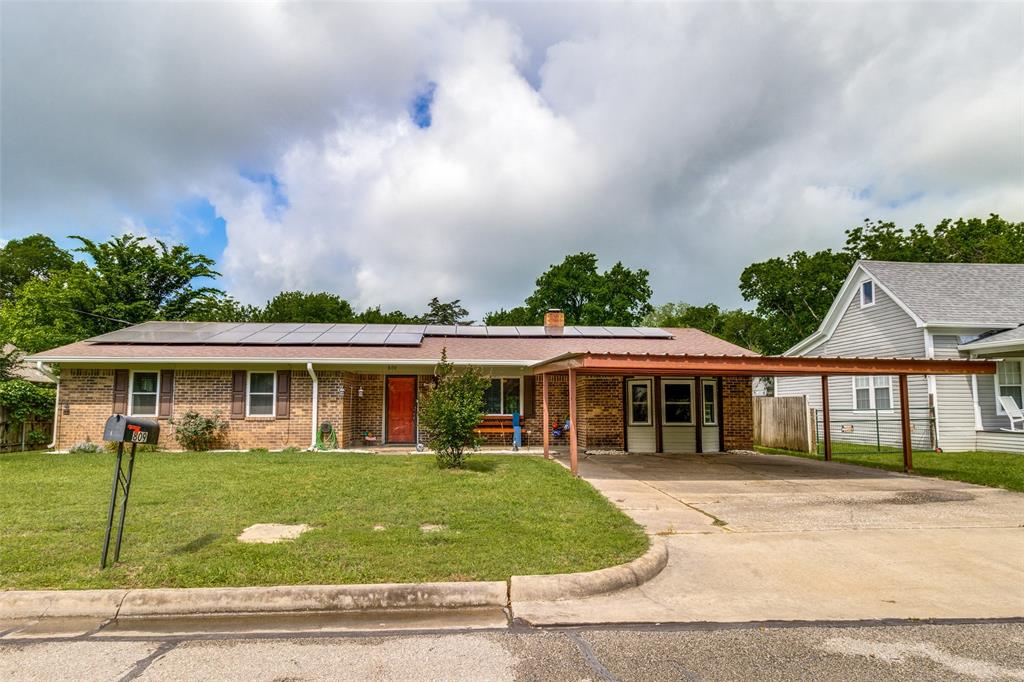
column 526, row 588
column 199, row 601
column 248, row 600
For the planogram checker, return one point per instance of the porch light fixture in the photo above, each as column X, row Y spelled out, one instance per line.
column 341, row 391
column 360, row 392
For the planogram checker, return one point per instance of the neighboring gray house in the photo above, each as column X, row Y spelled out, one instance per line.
column 923, row 310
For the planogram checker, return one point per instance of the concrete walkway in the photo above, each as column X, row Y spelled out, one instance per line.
column 762, row 537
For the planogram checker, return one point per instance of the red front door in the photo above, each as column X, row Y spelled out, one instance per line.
column 401, row 410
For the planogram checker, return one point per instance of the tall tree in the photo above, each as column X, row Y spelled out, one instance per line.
column 145, row 280
column 446, row 313
column 738, row 326
column 375, row 315
column 619, row 296
column 128, row 281
column 297, row 306
column 513, row 317
column 27, row 259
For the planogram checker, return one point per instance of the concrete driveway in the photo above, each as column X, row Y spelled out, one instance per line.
column 766, row 537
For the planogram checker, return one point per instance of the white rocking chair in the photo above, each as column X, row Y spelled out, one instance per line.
column 1013, row 412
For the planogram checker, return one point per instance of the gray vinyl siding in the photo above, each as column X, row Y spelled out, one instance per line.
column 954, row 401
column 1000, row 441
column 990, row 419
column 883, row 330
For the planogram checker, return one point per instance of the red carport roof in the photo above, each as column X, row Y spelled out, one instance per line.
column 753, row 365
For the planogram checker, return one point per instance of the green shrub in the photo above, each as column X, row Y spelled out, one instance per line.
column 86, row 446
column 37, row 437
column 451, row 410
column 193, row 431
column 27, row 402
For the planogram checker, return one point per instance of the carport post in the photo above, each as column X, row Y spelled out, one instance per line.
column 545, row 421
column 826, row 420
column 908, row 458
column 573, row 461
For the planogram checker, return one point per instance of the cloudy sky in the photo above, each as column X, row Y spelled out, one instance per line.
column 390, row 153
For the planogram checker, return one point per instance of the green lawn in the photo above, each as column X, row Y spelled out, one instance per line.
column 995, row 469
column 505, row 515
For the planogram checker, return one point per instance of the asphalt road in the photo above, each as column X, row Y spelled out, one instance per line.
column 875, row 652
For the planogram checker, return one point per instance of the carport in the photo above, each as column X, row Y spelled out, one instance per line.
column 702, row 367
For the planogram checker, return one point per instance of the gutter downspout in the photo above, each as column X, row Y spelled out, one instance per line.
column 56, row 418
column 316, row 387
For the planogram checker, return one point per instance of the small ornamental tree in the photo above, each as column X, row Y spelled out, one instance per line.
column 451, row 410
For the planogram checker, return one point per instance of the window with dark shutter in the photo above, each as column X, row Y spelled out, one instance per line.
column 238, row 394
column 284, row 393
column 166, row 393
column 120, row 391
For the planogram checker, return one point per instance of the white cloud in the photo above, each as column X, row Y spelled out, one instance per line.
column 691, row 139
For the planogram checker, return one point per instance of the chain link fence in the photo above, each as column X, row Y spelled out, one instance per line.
column 871, row 431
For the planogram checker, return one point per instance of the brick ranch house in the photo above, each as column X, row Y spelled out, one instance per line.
column 262, row 377
column 637, row 389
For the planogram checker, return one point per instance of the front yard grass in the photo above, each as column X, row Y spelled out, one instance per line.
column 504, row 515
column 994, row 469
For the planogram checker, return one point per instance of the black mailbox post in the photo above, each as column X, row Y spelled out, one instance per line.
column 121, row 429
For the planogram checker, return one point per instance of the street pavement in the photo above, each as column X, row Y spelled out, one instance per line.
column 964, row 651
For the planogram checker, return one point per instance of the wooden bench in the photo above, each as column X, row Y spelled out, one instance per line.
column 495, row 423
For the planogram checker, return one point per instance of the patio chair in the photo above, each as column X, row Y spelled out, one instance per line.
column 1013, row 412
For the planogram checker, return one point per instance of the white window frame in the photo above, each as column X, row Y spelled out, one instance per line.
column 248, row 394
column 995, row 382
column 501, row 393
column 131, row 393
column 650, row 402
column 704, row 401
column 874, row 293
column 871, row 394
column 693, row 402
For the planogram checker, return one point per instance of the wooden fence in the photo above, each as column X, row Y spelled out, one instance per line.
column 784, row 423
column 15, row 435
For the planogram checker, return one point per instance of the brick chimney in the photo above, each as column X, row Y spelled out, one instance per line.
column 554, row 321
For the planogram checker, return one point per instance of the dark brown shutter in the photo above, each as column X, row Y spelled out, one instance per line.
column 528, row 396
column 284, row 394
column 120, row 391
column 238, row 394
column 166, row 393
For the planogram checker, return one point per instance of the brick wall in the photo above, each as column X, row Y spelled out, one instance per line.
column 89, row 394
column 738, row 413
column 599, row 404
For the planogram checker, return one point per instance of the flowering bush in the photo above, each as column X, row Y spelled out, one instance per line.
column 193, row 431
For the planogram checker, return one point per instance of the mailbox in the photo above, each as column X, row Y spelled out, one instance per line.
column 124, row 429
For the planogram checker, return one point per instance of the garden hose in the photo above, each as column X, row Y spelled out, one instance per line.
column 326, row 438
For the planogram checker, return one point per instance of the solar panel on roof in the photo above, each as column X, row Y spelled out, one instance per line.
column 531, row 331
column 470, row 330
column 334, row 338
column 319, row 327
column 655, row 332
column 267, row 337
column 410, row 328
column 299, row 338
column 379, row 328
column 368, row 339
column 440, row 330
column 403, row 339
column 284, row 327
column 625, row 332
column 593, row 331
column 500, row 331
column 567, row 331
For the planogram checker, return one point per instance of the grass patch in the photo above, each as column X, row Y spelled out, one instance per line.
column 994, row 469
column 504, row 516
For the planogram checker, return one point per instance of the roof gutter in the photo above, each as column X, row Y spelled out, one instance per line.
column 316, row 395
column 425, row 362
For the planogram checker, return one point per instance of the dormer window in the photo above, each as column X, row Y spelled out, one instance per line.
column 867, row 293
